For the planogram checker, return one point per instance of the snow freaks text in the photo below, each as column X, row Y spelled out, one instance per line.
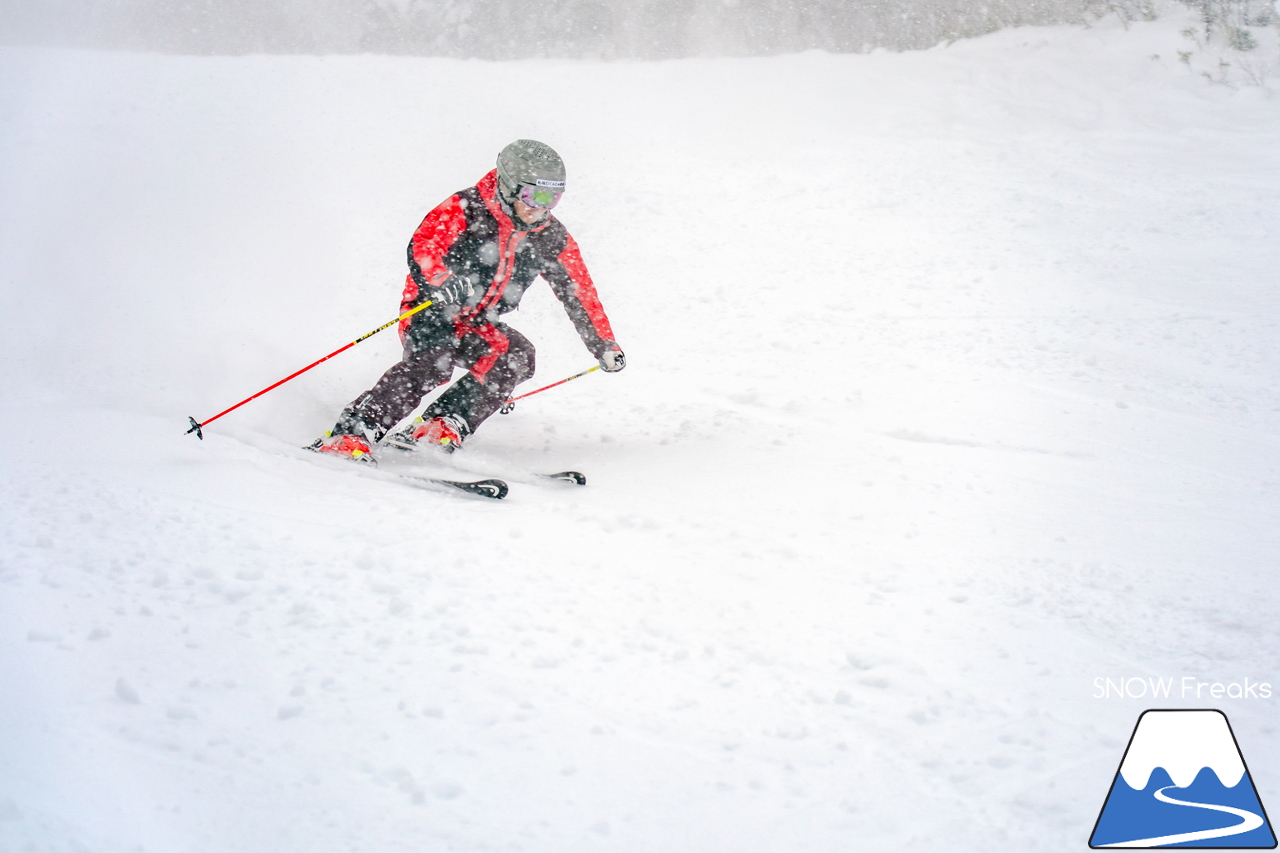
column 1187, row 687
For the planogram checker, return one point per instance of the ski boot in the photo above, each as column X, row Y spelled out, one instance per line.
column 348, row 446
column 350, row 438
column 445, row 432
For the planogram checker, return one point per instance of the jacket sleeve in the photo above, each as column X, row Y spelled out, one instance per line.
column 572, row 285
column 430, row 243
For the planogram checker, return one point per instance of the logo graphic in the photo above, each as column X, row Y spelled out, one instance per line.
column 1182, row 783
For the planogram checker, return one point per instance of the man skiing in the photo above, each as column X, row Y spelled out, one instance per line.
column 473, row 257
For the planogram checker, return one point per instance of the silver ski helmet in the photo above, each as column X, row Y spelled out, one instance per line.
column 529, row 163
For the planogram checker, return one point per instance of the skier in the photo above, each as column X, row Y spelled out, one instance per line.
column 473, row 257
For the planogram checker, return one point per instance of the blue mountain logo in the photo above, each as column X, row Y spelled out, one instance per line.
column 1183, row 783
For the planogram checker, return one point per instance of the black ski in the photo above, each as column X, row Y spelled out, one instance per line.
column 492, row 488
column 574, row 477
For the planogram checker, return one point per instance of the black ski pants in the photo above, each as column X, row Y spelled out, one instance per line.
column 429, row 363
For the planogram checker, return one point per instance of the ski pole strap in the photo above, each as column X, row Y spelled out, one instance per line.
column 510, row 404
column 196, row 426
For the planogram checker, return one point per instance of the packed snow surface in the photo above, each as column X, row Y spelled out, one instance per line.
column 953, row 386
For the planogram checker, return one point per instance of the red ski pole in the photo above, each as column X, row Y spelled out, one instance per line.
column 196, row 426
column 508, row 406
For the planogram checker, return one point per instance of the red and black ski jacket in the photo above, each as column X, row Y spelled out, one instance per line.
column 473, row 234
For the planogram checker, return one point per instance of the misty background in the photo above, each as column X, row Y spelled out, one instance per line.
column 506, row 29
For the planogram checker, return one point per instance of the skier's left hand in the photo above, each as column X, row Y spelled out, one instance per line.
column 612, row 361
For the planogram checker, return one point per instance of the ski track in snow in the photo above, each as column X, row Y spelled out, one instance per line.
column 953, row 384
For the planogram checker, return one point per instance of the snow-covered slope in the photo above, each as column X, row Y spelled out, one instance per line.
column 954, row 384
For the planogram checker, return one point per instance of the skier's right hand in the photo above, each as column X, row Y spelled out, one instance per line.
column 456, row 288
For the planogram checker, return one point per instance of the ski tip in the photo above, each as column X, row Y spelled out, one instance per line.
column 574, row 477
column 492, row 489
column 496, row 489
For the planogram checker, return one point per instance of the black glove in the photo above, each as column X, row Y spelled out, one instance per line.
column 456, row 288
column 611, row 361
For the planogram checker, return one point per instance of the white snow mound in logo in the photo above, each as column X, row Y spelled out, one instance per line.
column 1182, row 742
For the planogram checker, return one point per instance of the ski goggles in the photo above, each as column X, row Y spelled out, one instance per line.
column 542, row 194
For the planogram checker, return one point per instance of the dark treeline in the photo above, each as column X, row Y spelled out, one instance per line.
column 518, row 29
